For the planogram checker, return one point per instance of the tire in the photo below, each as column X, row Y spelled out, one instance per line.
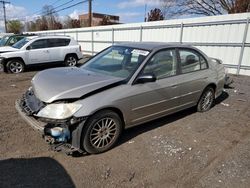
column 206, row 100
column 15, row 66
column 70, row 60
column 101, row 132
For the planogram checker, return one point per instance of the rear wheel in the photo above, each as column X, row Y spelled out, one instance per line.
column 102, row 132
column 70, row 60
column 206, row 100
column 15, row 66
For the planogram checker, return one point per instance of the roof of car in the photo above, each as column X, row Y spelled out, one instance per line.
column 151, row 45
column 53, row 36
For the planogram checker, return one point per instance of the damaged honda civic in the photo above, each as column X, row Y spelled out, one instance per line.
column 85, row 109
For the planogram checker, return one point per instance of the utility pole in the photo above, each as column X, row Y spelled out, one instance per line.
column 145, row 13
column 4, row 14
column 90, row 13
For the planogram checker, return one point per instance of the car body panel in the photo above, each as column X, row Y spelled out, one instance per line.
column 70, row 83
column 5, row 49
column 37, row 56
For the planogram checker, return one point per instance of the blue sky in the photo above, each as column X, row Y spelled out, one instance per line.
column 128, row 10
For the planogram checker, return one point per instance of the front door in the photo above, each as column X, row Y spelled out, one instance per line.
column 39, row 52
column 154, row 99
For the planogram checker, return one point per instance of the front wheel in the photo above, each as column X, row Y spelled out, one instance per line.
column 102, row 132
column 206, row 100
column 70, row 60
column 15, row 66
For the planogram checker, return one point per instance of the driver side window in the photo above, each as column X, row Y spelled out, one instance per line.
column 162, row 64
column 39, row 44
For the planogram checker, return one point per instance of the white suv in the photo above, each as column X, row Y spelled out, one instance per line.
column 39, row 50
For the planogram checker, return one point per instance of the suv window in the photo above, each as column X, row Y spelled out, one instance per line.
column 162, row 64
column 191, row 61
column 39, row 44
column 58, row 42
column 11, row 41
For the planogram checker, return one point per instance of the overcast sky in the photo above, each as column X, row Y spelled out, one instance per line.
column 129, row 11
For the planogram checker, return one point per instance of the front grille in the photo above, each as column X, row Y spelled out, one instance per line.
column 30, row 103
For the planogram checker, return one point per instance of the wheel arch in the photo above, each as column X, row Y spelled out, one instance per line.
column 6, row 60
column 213, row 85
column 69, row 54
column 114, row 109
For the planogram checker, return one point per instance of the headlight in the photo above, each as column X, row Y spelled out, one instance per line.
column 59, row 111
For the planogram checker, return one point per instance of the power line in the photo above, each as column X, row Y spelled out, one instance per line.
column 55, row 2
column 41, row 10
column 53, row 11
column 59, row 10
column 65, row 8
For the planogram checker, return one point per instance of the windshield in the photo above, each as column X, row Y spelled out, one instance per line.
column 117, row 61
column 3, row 40
column 21, row 43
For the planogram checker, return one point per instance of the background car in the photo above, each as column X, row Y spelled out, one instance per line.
column 34, row 50
column 10, row 39
column 125, row 85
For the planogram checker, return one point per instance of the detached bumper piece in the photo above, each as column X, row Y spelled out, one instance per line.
column 60, row 135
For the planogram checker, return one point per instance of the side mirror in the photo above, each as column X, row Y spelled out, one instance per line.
column 28, row 48
column 149, row 77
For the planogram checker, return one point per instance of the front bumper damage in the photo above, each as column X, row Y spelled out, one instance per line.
column 61, row 135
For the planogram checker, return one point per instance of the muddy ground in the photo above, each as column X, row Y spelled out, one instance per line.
column 188, row 149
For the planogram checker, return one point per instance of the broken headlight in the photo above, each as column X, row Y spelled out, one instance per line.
column 59, row 111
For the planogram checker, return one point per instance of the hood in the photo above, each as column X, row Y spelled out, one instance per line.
column 7, row 49
column 68, row 83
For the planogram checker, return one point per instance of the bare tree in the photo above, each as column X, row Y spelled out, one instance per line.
column 71, row 23
column 155, row 15
column 105, row 21
column 49, row 13
column 14, row 26
column 204, row 7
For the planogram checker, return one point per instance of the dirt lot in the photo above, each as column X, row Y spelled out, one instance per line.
column 188, row 149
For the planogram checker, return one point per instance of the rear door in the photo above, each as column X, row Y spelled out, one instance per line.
column 57, row 48
column 194, row 74
column 39, row 52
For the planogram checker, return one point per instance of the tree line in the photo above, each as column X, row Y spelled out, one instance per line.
column 49, row 19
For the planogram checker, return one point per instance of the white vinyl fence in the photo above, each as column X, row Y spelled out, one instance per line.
column 225, row 37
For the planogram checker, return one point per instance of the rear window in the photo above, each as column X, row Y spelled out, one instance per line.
column 58, row 42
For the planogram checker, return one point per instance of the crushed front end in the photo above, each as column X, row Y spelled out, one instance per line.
column 61, row 134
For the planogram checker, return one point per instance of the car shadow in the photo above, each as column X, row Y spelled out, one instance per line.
column 33, row 172
column 222, row 97
column 130, row 133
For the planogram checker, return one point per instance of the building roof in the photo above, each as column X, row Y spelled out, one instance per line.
column 100, row 15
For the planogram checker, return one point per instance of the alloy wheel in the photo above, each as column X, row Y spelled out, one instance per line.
column 103, row 132
column 16, row 67
column 71, row 61
column 207, row 100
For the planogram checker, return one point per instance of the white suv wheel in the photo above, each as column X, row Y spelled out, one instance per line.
column 15, row 66
column 71, row 61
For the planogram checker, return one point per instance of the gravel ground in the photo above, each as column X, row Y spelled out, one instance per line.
column 187, row 149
